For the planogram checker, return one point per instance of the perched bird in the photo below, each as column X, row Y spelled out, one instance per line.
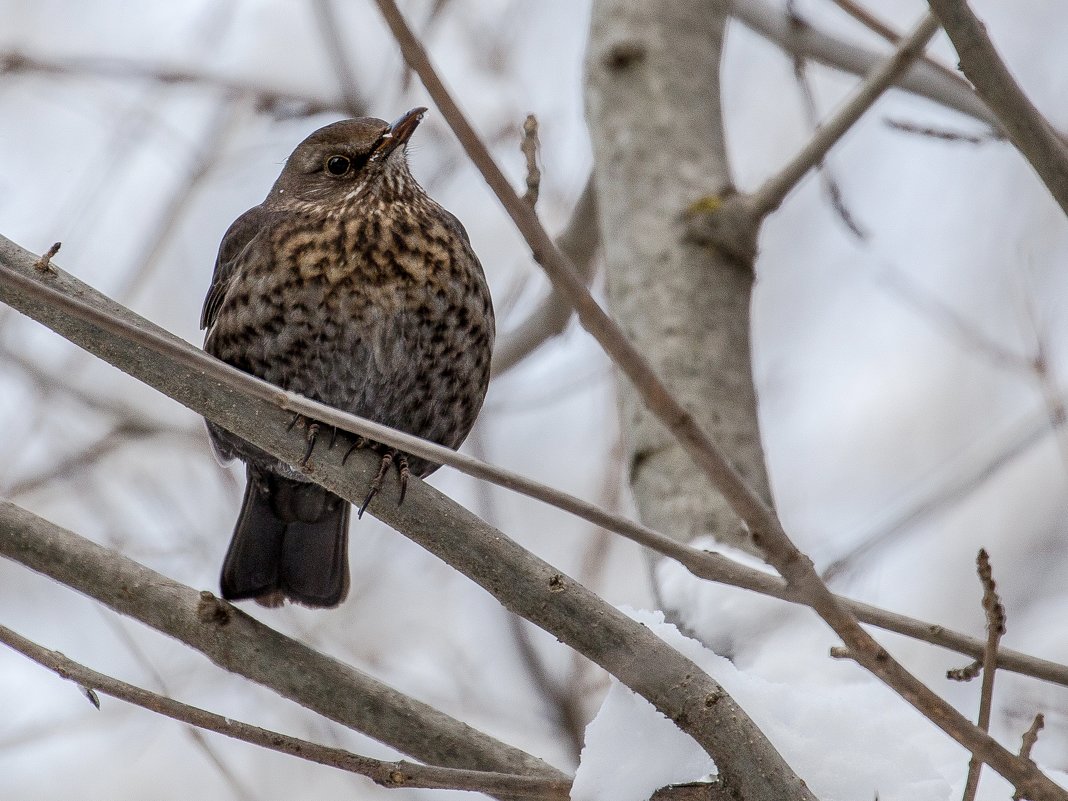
column 349, row 285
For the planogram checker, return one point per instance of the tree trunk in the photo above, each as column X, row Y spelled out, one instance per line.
column 654, row 111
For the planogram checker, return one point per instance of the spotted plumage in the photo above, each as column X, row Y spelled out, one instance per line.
column 351, row 286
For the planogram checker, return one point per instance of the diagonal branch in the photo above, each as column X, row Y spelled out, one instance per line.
column 801, row 39
column 703, row 564
column 238, row 643
column 765, row 528
column 520, row 581
column 386, row 774
column 771, row 195
column 1028, row 130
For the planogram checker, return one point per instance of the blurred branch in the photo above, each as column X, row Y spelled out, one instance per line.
column 876, row 25
column 260, row 413
column 714, row 567
column 211, row 146
column 268, row 98
column 387, row 774
column 119, row 436
column 579, row 241
column 330, row 30
column 1028, row 130
column 772, row 193
column 800, row 38
column 196, row 735
column 830, row 183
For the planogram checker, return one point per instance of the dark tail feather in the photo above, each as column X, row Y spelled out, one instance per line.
column 291, row 541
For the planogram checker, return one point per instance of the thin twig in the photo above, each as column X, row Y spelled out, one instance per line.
column 772, row 193
column 387, row 774
column 944, row 134
column 44, row 264
column 830, row 182
column 995, row 628
column 1030, row 737
column 529, row 147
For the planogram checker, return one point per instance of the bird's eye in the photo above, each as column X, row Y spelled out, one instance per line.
column 338, row 165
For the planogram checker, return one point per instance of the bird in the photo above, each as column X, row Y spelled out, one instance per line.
column 349, row 285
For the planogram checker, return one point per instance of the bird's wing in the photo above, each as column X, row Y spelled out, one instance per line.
column 238, row 237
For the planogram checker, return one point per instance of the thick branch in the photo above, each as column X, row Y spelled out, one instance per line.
column 1029, row 131
column 238, row 643
column 387, row 774
column 520, row 581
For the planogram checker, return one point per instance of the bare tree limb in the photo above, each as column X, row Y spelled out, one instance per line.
column 873, row 23
column 1028, row 130
column 772, row 193
column 386, row 774
column 269, row 98
column 519, row 580
column 800, row 38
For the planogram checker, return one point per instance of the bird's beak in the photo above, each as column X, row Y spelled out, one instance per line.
column 400, row 131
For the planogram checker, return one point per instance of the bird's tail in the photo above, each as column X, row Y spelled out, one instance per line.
column 290, row 541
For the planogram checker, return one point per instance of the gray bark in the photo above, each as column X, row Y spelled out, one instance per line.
column 654, row 112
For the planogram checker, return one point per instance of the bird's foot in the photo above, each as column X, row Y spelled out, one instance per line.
column 389, row 458
column 376, row 482
column 311, row 435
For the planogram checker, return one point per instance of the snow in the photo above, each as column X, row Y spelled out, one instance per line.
column 848, row 741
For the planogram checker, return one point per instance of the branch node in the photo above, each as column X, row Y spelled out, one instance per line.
column 529, row 147
column 212, row 610
column 966, row 673
column 44, row 264
column 724, row 221
column 1030, row 737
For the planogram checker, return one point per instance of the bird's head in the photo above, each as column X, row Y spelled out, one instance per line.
column 350, row 161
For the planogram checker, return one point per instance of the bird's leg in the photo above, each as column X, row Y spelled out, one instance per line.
column 404, row 474
column 360, row 442
column 311, row 434
column 333, row 438
column 376, row 484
